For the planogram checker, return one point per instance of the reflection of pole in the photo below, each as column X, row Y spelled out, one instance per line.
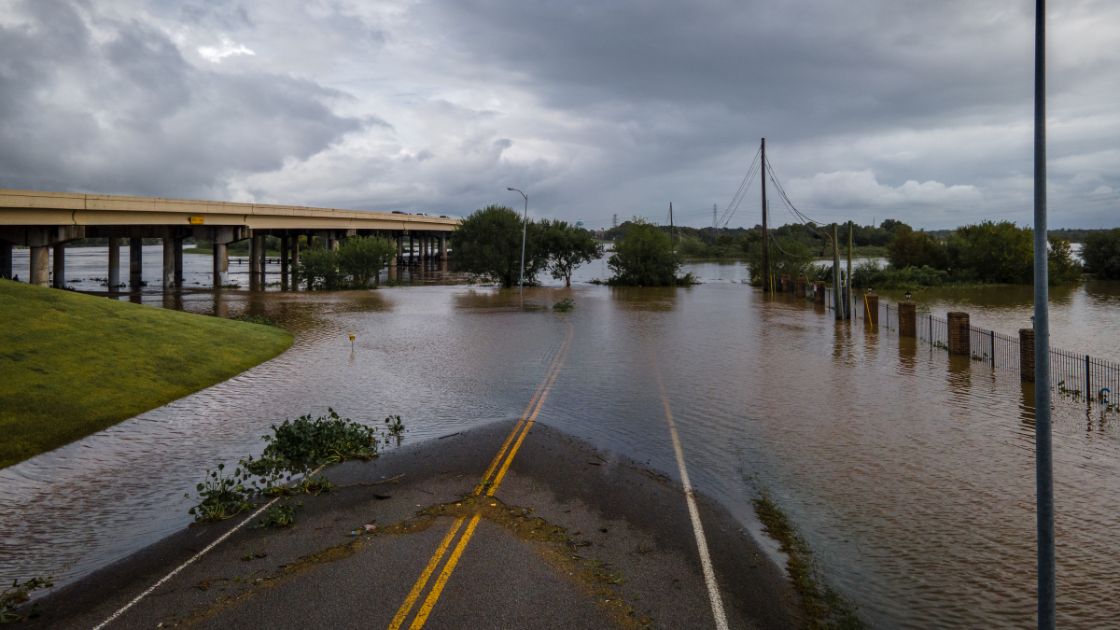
column 1044, row 482
column 837, row 299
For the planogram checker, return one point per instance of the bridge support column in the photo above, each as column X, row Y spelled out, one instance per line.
column 221, row 263
column 59, row 280
column 284, row 268
column 295, row 263
column 39, row 265
column 256, row 248
column 5, row 260
column 400, row 247
column 135, row 263
column 114, row 264
column 177, row 244
column 443, row 248
column 168, row 261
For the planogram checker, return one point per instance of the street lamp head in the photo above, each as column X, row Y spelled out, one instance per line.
column 510, row 188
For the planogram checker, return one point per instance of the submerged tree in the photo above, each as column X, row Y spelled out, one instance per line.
column 567, row 247
column 645, row 257
column 488, row 242
column 363, row 257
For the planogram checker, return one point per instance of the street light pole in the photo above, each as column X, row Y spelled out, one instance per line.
column 524, row 227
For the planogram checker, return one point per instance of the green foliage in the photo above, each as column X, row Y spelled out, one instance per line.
column 871, row 275
column 279, row 516
column 362, row 258
column 75, row 364
column 915, row 249
column 645, row 257
column 488, row 243
column 319, row 269
column 19, row 593
column 991, row 252
column 294, row 449
column 565, row 305
column 567, row 247
column 1101, row 253
column 1060, row 264
column 787, row 256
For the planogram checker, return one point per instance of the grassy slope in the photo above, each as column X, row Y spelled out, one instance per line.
column 71, row 364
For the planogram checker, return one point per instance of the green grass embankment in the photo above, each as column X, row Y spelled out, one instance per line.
column 72, row 364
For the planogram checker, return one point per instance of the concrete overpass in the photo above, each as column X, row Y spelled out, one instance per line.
column 46, row 221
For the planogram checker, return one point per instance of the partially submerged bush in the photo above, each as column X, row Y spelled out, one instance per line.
column 17, row 594
column 293, row 452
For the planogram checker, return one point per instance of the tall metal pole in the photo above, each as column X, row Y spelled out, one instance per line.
column 848, row 281
column 765, row 228
column 524, row 228
column 672, row 230
column 1044, row 481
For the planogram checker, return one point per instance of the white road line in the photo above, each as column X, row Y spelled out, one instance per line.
column 192, row 560
column 694, row 514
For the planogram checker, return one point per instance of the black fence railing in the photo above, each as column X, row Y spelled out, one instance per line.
column 1078, row 375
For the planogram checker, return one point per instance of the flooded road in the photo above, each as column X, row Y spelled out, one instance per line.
column 910, row 475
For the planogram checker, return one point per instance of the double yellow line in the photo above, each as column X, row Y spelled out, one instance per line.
column 487, row 486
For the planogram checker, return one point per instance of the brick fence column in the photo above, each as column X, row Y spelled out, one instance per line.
column 818, row 292
column 1026, row 354
column 959, row 334
column 907, row 319
column 871, row 308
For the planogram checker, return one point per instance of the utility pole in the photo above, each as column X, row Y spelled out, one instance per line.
column 614, row 220
column 672, row 230
column 848, row 298
column 837, row 299
column 1043, row 454
column 765, row 228
column 715, row 220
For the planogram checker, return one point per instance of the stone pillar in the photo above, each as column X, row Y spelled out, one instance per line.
column 1026, row 354
column 135, row 263
column 871, row 308
column 114, row 264
column 255, row 262
column 960, row 335
column 40, row 259
column 818, row 292
column 284, row 267
column 59, row 281
column 907, row 319
column 168, row 262
column 221, row 264
column 5, row 260
column 177, row 248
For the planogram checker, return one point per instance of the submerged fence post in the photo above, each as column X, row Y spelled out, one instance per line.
column 1088, row 379
column 992, row 345
column 818, row 292
column 907, row 319
column 959, row 334
column 871, row 308
column 1026, row 354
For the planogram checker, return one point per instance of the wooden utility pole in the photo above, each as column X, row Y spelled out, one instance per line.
column 848, row 298
column 765, row 227
column 837, row 299
column 672, row 230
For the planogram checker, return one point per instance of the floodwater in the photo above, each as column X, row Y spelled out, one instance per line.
column 909, row 475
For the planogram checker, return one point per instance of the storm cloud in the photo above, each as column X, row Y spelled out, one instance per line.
column 871, row 109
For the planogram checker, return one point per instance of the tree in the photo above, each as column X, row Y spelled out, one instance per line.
column 787, row 256
column 992, row 252
column 488, row 242
column 318, row 267
column 914, row 249
column 567, row 247
column 645, row 257
column 1060, row 263
column 362, row 258
column 1101, row 253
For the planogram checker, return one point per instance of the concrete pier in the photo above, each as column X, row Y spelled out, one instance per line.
column 284, row 268
column 114, row 264
column 59, row 280
column 221, row 264
column 256, row 247
column 295, row 263
column 135, row 263
column 177, row 249
column 907, row 319
column 443, row 248
column 168, row 262
column 5, row 260
column 39, row 266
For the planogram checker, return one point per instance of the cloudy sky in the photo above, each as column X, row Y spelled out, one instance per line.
column 910, row 109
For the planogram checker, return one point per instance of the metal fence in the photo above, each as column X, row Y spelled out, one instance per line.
column 1074, row 374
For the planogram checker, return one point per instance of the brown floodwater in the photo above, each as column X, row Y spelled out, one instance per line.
column 909, row 474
